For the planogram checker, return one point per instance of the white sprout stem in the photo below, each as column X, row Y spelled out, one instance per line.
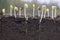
column 38, row 13
column 20, row 13
column 52, row 14
column 25, row 12
column 55, row 13
column 10, row 12
column 3, row 13
column 48, row 14
column 45, row 13
column 41, row 16
column 26, row 18
column 15, row 13
column 33, row 12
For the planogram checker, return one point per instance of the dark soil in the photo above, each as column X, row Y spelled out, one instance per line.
column 21, row 29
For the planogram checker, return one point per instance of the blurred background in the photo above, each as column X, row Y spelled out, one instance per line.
column 20, row 3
